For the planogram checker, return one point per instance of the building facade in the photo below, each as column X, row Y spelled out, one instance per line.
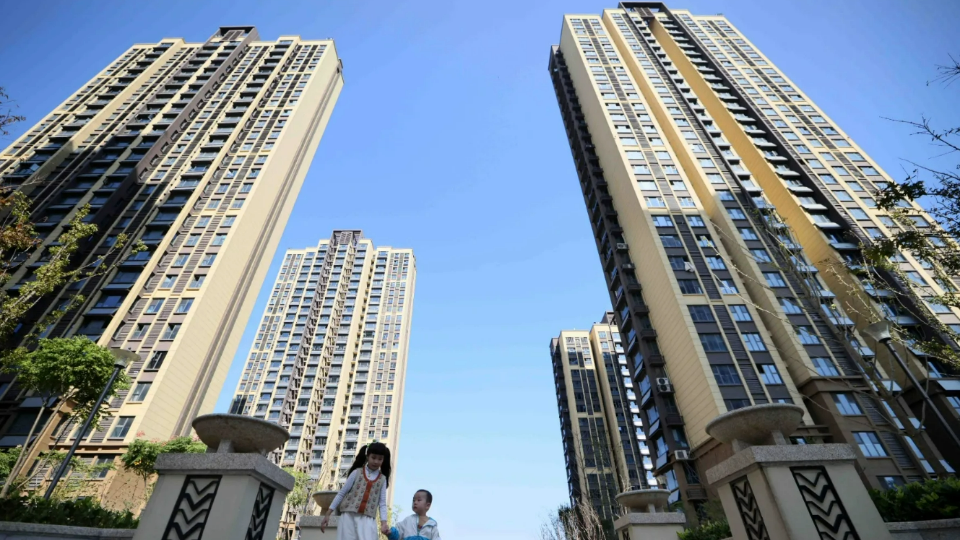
column 604, row 445
column 197, row 150
column 728, row 211
column 329, row 359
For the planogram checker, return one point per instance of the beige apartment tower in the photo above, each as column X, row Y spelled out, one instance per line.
column 199, row 151
column 329, row 360
column 604, row 444
column 728, row 210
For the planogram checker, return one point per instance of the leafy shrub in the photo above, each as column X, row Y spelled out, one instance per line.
column 919, row 501
column 708, row 530
column 78, row 513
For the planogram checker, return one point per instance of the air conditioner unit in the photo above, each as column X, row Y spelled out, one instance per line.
column 628, row 266
column 681, row 455
column 664, row 386
column 621, row 246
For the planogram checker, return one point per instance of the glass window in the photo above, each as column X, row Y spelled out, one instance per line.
column 740, row 313
column 825, row 367
column 140, row 391
column 869, row 444
column 774, row 279
column 701, row 313
column 754, row 341
column 713, row 343
column 689, row 286
column 122, row 427
column 154, row 306
column 726, row 375
column 807, row 335
column 769, row 374
column 846, row 404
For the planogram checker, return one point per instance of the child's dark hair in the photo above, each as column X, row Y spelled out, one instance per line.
column 428, row 494
column 376, row 448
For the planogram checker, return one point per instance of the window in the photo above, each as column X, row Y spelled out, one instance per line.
column 774, row 279
column 726, row 375
column 869, row 444
column 156, row 360
column 713, row 343
column 154, row 306
column 825, row 367
column 689, row 286
column 122, row 428
column 734, row 404
column 197, row 281
column 140, row 391
column 655, row 202
column 807, row 335
column 140, row 331
column 701, row 313
column 740, row 313
column 228, row 221
column 846, row 404
column 192, row 240
column 662, row 221
column 916, row 278
column 171, row 331
column 695, row 221
column 891, row 482
column 181, row 259
column 678, row 263
column 184, row 305
column 760, row 255
column 748, row 234
column 687, row 202
column 716, row 263
column 736, row 213
column 219, row 239
column 168, row 282
column 727, row 286
column 754, row 342
column 670, row 241
column 208, row 259
column 726, row 195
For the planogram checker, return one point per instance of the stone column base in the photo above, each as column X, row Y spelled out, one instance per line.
column 646, row 526
column 218, row 496
column 310, row 528
column 796, row 492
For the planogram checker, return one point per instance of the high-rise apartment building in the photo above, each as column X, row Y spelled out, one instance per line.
column 329, row 359
column 603, row 441
column 728, row 210
column 199, row 151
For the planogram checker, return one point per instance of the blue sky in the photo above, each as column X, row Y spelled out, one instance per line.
column 448, row 115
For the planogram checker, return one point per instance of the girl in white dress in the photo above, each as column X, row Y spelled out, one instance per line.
column 363, row 494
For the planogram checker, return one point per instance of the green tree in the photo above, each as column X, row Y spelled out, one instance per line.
column 933, row 244
column 62, row 370
column 298, row 496
column 141, row 456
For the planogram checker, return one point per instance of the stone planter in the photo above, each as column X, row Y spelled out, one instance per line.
column 324, row 499
column 644, row 500
column 763, row 424
column 230, row 433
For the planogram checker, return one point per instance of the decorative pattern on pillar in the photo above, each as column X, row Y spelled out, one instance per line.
column 261, row 509
column 192, row 508
column 823, row 503
column 749, row 512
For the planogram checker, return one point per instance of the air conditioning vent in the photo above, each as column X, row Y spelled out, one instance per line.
column 681, row 455
column 621, row 246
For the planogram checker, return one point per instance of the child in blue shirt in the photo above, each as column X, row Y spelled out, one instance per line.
column 419, row 526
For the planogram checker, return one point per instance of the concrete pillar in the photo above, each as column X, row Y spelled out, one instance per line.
column 771, row 489
column 646, row 518
column 232, row 492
